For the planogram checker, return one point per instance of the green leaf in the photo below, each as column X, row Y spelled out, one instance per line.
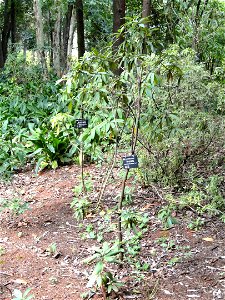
column 105, row 247
column 115, row 288
column 41, row 160
column 92, row 280
column 27, row 292
column 109, row 259
column 35, row 152
column 92, row 135
column 70, row 106
column 68, row 85
column 99, row 281
column 109, row 289
column 99, row 267
column 51, row 148
column 107, row 127
column 91, row 259
column 17, row 293
column 5, row 125
column 54, row 164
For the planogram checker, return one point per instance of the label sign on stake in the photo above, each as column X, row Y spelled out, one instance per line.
column 81, row 123
column 130, row 162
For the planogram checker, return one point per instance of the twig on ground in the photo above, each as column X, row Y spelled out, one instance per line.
column 157, row 192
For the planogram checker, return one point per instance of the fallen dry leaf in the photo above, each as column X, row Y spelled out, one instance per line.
column 20, row 281
column 147, row 206
column 208, row 239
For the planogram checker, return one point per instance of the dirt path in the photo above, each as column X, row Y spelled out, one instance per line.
column 183, row 264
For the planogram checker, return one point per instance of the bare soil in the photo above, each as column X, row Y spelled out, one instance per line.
column 184, row 264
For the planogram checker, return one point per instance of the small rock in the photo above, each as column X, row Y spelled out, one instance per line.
column 217, row 294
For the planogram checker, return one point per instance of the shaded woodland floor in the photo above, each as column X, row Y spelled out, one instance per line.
column 184, row 264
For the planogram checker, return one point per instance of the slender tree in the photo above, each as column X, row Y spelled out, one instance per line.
column 71, row 35
column 200, row 8
column 40, row 34
column 146, row 12
column 1, row 55
column 13, row 23
column 146, row 8
column 119, row 9
column 59, row 17
column 5, row 33
column 80, row 28
column 57, row 40
column 66, row 34
column 50, row 37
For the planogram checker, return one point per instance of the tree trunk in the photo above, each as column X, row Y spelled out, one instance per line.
column 56, row 44
column 146, row 8
column 195, row 29
column 5, row 33
column 13, row 24
column 1, row 55
column 80, row 28
column 71, row 36
column 40, row 34
column 51, row 42
column 119, row 8
column 197, row 21
column 66, row 34
column 146, row 12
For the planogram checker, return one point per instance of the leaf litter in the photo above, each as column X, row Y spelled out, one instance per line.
column 184, row 264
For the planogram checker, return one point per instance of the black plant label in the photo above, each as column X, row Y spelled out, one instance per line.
column 130, row 162
column 81, row 123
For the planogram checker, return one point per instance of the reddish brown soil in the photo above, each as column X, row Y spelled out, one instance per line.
column 24, row 262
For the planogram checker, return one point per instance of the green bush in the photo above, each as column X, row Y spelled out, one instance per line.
column 26, row 101
column 54, row 145
column 182, row 130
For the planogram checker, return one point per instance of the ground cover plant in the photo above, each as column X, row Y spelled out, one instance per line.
column 24, row 106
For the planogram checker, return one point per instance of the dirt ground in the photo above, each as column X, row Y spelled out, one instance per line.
column 184, row 264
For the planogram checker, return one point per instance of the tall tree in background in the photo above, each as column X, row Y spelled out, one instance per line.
column 5, row 32
column 71, row 35
column 119, row 10
column 200, row 9
column 146, row 12
column 68, row 30
column 80, row 28
column 40, row 34
column 146, row 8
column 58, row 31
column 189, row 23
column 13, row 23
column 57, row 39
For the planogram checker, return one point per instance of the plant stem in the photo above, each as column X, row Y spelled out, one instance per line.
column 133, row 147
column 82, row 168
column 82, row 156
column 104, row 184
column 120, row 206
